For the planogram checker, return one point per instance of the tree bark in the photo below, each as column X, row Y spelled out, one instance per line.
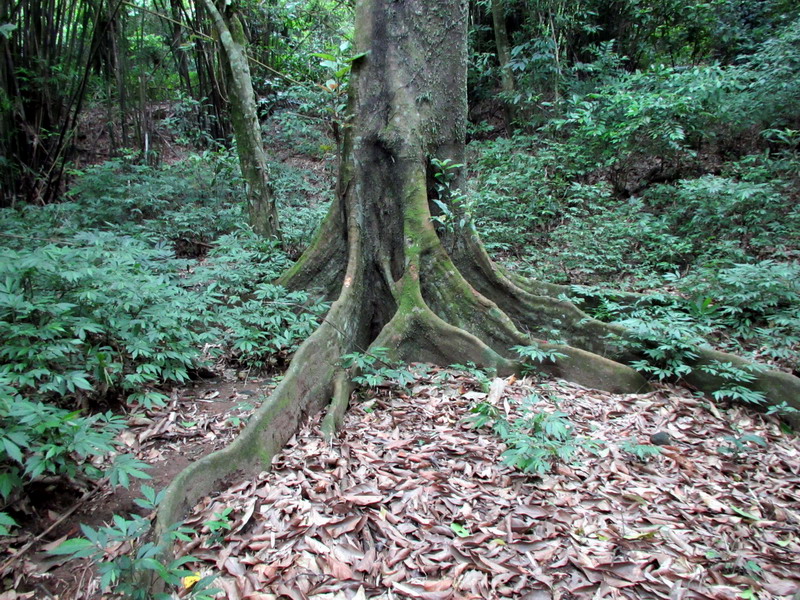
column 246, row 126
column 427, row 294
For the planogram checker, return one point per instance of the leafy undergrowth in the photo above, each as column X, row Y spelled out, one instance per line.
column 197, row 420
column 414, row 500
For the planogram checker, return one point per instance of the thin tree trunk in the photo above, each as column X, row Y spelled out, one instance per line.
column 246, row 126
column 504, row 59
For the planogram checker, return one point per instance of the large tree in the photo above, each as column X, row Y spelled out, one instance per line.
column 400, row 278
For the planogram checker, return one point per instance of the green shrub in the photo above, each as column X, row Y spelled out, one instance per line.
column 127, row 574
column 667, row 337
column 303, row 197
column 768, row 82
column 756, row 305
column 657, row 115
column 256, row 323
column 536, row 439
column 188, row 204
column 376, row 368
column 103, row 315
column 38, row 440
column 520, row 190
column 758, row 217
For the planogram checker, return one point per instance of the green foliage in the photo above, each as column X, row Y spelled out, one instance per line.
column 562, row 230
column 735, row 379
column 37, row 439
column 259, row 324
column 304, row 129
column 768, row 79
column 667, row 338
column 338, row 63
column 782, row 410
column 481, row 376
column 454, row 206
column 510, row 210
column 6, row 523
column 736, row 445
column 755, row 217
column 303, row 197
column 375, row 368
column 535, row 440
column 641, row 451
column 218, row 525
column 89, row 314
column 533, row 355
column 757, row 305
column 660, row 113
column 126, row 574
column 667, row 330
column 100, row 315
column 187, row 204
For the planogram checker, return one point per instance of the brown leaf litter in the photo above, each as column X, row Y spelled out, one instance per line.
column 410, row 502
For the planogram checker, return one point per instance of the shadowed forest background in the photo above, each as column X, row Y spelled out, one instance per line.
column 645, row 155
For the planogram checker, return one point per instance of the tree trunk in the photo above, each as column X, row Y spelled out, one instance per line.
column 246, row 126
column 426, row 294
column 504, row 58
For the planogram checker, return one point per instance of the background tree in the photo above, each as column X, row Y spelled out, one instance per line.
column 504, row 59
column 246, row 125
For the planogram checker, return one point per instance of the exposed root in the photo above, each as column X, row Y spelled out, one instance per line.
column 453, row 299
column 340, row 399
column 307, row 387
column 512, row 295
column 466, row 325
column 778, row 387
column 538, row 314
column 419, row 335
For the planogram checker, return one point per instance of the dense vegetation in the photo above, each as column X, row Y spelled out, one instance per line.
column 656, row 151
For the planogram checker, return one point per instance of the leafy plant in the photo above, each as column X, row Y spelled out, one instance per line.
column 535, row 440
column 641, row 451
column 376, row 368
column 667, row 339
column 338, row 66
column 218, row 525
column 534, row 353
column 454, row 206
column 6, row 524
column 481, row 376
column 37, row 439
column 734, row 378
column 94, row 318
column 657, row 112
column 756, row 302
column 739, row 444
column 123, row 570
column 713, row 208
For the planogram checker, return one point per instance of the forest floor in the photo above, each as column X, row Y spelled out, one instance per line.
column 413, row 501
column 199, row 419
